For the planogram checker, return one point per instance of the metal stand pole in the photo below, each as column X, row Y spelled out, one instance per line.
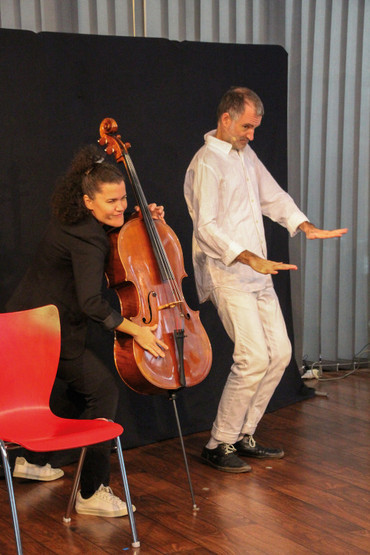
column 172, row 397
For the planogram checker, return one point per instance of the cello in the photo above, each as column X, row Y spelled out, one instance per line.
column 146, row 269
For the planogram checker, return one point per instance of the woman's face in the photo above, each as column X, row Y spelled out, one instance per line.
column 109, row 204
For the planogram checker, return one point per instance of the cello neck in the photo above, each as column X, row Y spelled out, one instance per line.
column 159, row 252
column 137, row 188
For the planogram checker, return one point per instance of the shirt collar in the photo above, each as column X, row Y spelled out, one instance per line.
column 217, row 144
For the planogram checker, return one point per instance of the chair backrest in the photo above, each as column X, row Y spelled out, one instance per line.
column 29, row 357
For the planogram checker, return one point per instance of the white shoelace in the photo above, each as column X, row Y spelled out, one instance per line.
column 251, row 441
column 106, row 493
column 229, row 449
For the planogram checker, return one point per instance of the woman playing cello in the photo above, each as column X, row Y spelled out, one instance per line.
column 68, row 271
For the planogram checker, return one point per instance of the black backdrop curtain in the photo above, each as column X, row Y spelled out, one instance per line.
column 56, row 88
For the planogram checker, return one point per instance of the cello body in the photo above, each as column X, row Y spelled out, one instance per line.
column 146, row 299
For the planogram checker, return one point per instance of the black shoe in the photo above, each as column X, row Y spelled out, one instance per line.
column 247, row 447
column 224, row 457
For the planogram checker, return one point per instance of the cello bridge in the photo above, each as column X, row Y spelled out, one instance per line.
column 172, row 304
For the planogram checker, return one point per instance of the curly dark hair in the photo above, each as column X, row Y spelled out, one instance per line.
column 87, row 172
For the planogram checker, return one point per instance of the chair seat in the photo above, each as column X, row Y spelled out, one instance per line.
column 43, row 431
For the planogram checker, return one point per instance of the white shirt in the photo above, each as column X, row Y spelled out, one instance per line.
column 227, row 192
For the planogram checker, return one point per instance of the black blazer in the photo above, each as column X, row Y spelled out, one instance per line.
column 68, row 271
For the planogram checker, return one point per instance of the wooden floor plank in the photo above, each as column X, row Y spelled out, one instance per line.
column 315, row 500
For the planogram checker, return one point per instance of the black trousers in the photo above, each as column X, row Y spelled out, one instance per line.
column 91, row 384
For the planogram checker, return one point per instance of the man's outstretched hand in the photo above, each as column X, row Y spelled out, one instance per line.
column 261, row 265
column 313, row 232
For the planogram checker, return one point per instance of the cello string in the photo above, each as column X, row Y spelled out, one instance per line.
column 153, row 232
column 149, row 225
column 162, row 259
column 169, row 277
column 147, row 218
column 165, row 269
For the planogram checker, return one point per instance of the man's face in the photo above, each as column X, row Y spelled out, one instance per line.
column 238, row 132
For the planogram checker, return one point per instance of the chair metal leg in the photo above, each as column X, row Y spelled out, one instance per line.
column 76, row 483
column 135, row 542
column 9, row 483
column 72, row 499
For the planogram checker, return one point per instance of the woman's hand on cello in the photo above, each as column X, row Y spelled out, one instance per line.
column 144, row 336
column 156, row 211
column 148, row 341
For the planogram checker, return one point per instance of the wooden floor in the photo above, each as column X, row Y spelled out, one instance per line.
column 315, row 500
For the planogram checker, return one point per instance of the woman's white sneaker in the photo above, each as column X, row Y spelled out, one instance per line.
column 102, row 503
column 24, row 469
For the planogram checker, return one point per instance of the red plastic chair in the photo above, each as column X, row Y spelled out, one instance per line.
column 29, row 355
